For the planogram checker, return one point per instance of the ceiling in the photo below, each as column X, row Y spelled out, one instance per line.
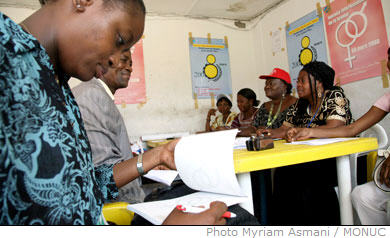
column 243, row 10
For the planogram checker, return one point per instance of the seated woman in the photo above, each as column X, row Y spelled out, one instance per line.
column 224, row 120
column 271, row 114
column 369, row 201
column 278, row 87
column 247, row 103
column 304, row 193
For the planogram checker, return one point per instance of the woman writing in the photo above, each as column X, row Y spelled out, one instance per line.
column 224, row 120
column 46, row 162
column 247, row 103
column 300, row 188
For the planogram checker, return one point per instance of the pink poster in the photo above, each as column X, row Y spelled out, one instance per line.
column 357, row 38
column 135, row 91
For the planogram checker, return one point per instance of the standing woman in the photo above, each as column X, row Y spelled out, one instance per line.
column 224, row 120
column 304, row 193
column 46, row 170
column 247, row 103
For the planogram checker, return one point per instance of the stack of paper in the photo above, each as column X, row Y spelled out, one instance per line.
column 205, row 163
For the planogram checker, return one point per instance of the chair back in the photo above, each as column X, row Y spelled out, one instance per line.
column 378, row 132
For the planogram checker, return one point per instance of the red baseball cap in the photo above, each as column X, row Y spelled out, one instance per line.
column 279, row 74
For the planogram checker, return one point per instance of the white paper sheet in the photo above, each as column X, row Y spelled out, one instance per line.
column 239, row 142
column 205, row 162
column 162, row 176
column 156, row 212
column 320, row 141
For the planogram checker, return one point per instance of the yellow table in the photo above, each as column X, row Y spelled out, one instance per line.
column 288, row 154
column 155, row 143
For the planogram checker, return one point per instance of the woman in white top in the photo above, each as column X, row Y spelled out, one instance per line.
column 224, row 120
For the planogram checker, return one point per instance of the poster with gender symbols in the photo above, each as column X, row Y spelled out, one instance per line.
column 210, row 67
column 357, row 39
column 305, row 43
column 135, row 92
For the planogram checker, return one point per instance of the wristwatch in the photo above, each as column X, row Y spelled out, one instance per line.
column 140, row 169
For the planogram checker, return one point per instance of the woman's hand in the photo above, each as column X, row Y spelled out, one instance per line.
column 264, row 131
column 212, row 112
column 385, row 172
column 210, row 217
column 165, row 154
column 294, row 134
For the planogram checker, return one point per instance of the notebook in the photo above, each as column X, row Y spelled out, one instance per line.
column 205, row 163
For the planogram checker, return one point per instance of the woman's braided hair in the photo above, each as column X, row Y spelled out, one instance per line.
column 321, row 72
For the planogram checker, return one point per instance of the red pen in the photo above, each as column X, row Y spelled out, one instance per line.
column 192, row 209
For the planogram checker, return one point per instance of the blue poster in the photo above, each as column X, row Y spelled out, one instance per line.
column 305, row 43
column 210, row 67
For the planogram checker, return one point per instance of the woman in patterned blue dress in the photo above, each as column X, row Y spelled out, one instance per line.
column 46, row 170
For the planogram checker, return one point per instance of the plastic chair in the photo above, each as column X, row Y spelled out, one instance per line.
column 117, row 213
column 380, row 133
column 374, row 131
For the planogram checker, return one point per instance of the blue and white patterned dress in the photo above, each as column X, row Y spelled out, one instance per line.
column 46, row 170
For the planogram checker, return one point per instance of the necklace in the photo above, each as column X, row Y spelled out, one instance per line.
column 25, row 28
column 316, row 111
column 271, row 121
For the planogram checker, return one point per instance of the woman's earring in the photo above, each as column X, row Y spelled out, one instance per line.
column 319, row 94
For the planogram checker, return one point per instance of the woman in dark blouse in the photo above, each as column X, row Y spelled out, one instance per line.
column 271, row 114
column 304, row 193
column 278, row 87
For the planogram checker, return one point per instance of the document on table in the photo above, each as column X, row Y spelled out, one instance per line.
column 239, row 142
column 205, row 163
column 321, row 141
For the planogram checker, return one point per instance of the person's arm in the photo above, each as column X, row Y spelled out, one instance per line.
column 126, row 171
column 370, row 118
column 273, row 133
column 247, row 131
column 385, row 172
column 211, row 112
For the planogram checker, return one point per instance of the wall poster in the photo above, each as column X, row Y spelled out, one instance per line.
column 135, row 92
column 357, row 39
column 305, row 39
column 210, row 67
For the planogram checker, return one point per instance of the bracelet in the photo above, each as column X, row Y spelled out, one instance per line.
column 140, row 169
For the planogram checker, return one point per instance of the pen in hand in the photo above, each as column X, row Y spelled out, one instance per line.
column 192, row 209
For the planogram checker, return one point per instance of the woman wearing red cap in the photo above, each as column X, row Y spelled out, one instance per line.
column 271, row 114
column 304, row 193
column 278, row 87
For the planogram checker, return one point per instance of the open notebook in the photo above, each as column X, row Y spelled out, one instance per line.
column 205, row 163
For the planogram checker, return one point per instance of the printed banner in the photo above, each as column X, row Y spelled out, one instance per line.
column 357, row 38
column 210, row 67
column 305, row 43
column 135, row 92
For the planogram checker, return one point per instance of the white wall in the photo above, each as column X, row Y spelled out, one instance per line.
column 362, row 94
column 170, row 107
